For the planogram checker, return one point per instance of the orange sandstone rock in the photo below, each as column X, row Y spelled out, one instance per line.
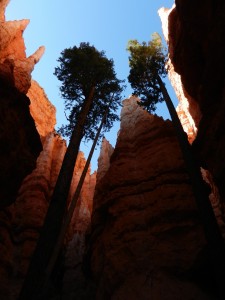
column 32, row 203
column 20, row 142
column 104, row 158
column 15, row 67
column 187, row 110
column 20, row 146
column 3, row 5
column 145, row 226
column 41, row 109
column 198, row 41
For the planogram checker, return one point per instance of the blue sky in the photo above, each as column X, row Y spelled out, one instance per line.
column 106, row 24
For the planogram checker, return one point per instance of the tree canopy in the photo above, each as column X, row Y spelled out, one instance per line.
column 81, row 69
column 147, row 61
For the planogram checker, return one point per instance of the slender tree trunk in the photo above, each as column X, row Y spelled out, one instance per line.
column 54, row 217
column 72, row 206
column 201, row 194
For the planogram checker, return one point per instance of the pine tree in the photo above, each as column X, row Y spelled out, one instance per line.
column 147, row 62
column 89, row 87
column 81, row 69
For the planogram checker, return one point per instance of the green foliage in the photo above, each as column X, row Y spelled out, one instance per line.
column 80, row 69
column 147, row 61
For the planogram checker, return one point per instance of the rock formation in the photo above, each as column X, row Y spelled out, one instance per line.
column 189, row 121
column 3, row 5
column 34, row 196
column 23, row 219
column 41, row 109
column 104, row 158
column 26, row 123
column 20, row 142
column 15, row 67
column 145, row 235
column 145, row 239
column 187, row 72
column 196, row 46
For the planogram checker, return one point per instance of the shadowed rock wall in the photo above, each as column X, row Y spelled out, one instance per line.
column 197, row 47
column 20, row 142
column 146, row 234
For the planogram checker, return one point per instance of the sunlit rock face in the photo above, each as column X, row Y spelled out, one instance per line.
column 3, row 5
column 196, row 33
column 41, row 109
column 15, row 67
column 104, row 158
column 187, row 110
column 145, row 226
column 20, row 142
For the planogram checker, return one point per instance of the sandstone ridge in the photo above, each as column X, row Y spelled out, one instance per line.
column 144, row 215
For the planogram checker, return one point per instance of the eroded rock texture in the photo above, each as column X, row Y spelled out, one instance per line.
column 41, row 109
column 104, row 158
column 32, row 203
column 20, row 142
column 3, row 5
column 145, row 235
column 15, row 67
column 187, row 110
column 197, row 46
column 22, row 131
column 21, row 222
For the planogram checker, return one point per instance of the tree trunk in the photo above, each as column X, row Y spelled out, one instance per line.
column 72, row 206
column 201, row 194
column 54, row 217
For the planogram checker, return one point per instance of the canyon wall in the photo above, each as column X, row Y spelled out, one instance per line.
column 196, row 40
column 41, row 109
column 32, row 203
column 31, row 146
column 145, row 239
column 20, row 142
column 187, row 109
column 22, row 220
column 146, row 235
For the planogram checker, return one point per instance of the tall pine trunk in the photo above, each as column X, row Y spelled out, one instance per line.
column 69, row 214
column 55, row 214
column 201, row 194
